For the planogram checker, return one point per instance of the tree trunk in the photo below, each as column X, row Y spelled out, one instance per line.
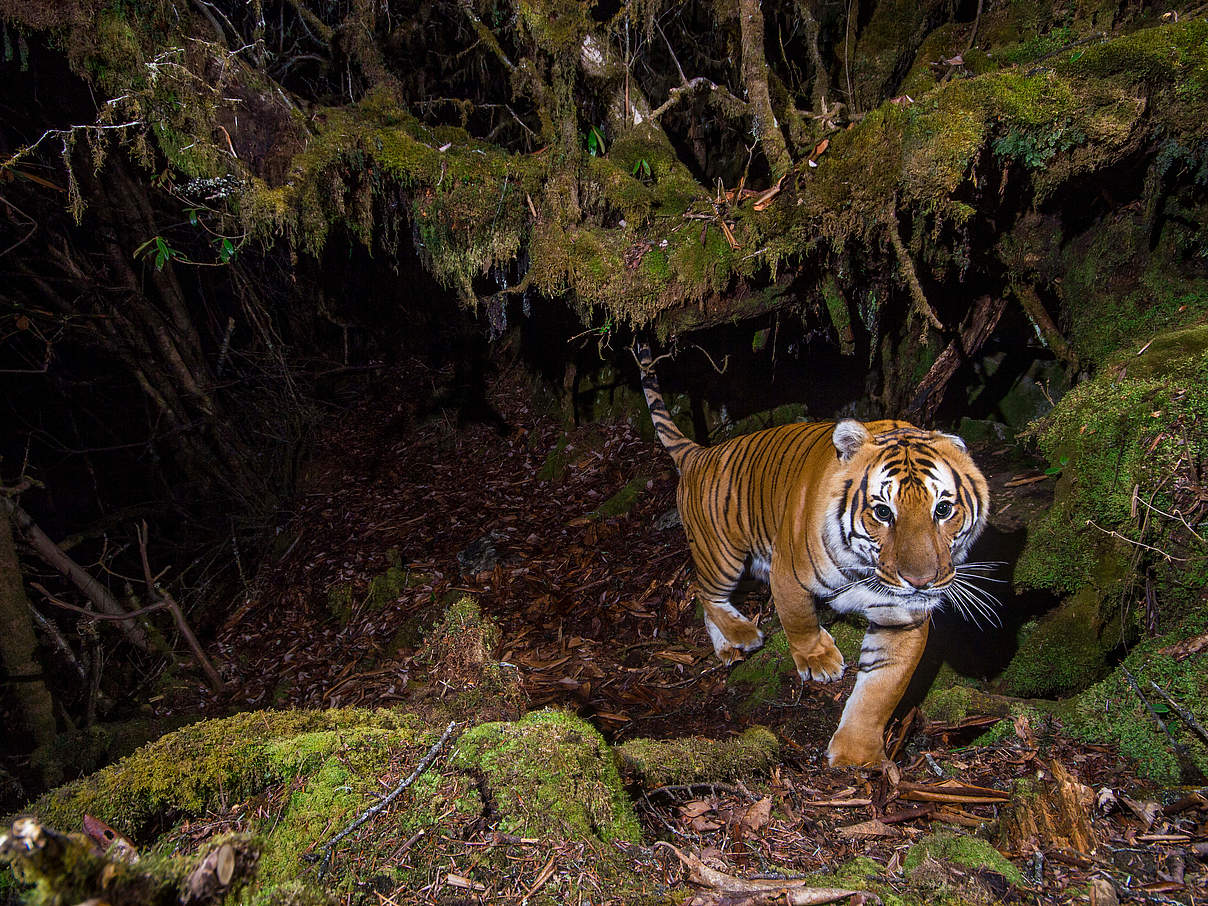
column 18, row 645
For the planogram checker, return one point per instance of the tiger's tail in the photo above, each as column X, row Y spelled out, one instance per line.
column 671, row 437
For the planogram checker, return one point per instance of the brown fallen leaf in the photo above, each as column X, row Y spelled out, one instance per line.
column 759, row 814
column 696, row 808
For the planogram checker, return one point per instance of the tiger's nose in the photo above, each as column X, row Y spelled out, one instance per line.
column 918, row 581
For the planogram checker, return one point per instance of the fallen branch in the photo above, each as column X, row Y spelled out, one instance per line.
column 186, row 631
column 1179, row 749
column 385, row 801
column 1035, row 310
column 982, row 320
column 795, row 892
column 54, row 556
column 1186, row 716
column 705, row 785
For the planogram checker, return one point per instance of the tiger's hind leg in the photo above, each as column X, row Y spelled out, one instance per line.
column 731, row 632
column 717, row 574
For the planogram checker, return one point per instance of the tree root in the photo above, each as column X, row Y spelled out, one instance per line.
column 906, row 266
column 755, row 79
column 1035, row 310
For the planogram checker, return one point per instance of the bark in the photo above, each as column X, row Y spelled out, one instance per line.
column 929, row 393
column 755, row 78
column 1035, row 310
column 18, row 644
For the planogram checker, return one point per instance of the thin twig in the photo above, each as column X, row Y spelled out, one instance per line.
column 186, row 631
column 1157, row 550
column 385, row 801
column 1177, row 746
column 93, row 614
column 704, row 785
column 1187, row 716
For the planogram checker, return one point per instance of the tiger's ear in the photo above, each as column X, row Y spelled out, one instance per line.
column 956, row 441
column 850, row 435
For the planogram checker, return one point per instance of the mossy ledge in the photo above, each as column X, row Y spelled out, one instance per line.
column 548, row 775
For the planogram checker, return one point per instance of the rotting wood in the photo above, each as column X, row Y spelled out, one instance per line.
column 1044, row 815
column 980, row 324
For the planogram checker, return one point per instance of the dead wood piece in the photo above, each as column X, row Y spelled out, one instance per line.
column 794, row 892
column 80, row 577
column 1049, row 815
column 1030, row 302
column 979, row 326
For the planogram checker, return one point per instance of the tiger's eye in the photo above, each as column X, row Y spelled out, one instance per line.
column 943, row 509
column 882, row 512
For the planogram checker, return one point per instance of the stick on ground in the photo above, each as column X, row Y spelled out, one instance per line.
column 385, row 801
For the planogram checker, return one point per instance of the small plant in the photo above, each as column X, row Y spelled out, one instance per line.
column 157, row 249
column 641, row 169
column 595, row 142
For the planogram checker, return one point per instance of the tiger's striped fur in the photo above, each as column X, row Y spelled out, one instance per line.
column 873, row 518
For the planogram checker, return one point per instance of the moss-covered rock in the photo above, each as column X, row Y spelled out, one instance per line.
column 550, row 773
column 1118, row 440
column 764, row 675
column 693, row 759
column 1111, row 710
column 623, row 500
column 1065, row 650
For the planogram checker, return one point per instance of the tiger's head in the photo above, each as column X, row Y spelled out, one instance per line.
column 909, row 505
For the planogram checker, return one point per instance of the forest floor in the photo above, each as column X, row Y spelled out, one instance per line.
column 596, row 616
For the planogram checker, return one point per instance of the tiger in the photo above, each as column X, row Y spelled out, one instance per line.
column 874, row 518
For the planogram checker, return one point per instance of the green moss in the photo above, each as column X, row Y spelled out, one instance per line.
column 556, row 461
column 188, row 771
column 763, row 676
column 962, row 850
column 948, row 705
column 342, row 601
column 623, row 500
column 1111, row 711
column 1066, row 649
column 659, row 762
column 1107, row 437
column 465, row 678
column 550, row 774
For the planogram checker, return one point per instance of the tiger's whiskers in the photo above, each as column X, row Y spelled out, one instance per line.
column 972, row 601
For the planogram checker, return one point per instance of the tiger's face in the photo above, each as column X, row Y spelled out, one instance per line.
column 910, row 504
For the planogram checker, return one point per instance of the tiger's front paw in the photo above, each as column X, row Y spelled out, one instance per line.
column 823, row 663
column 851, row 750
